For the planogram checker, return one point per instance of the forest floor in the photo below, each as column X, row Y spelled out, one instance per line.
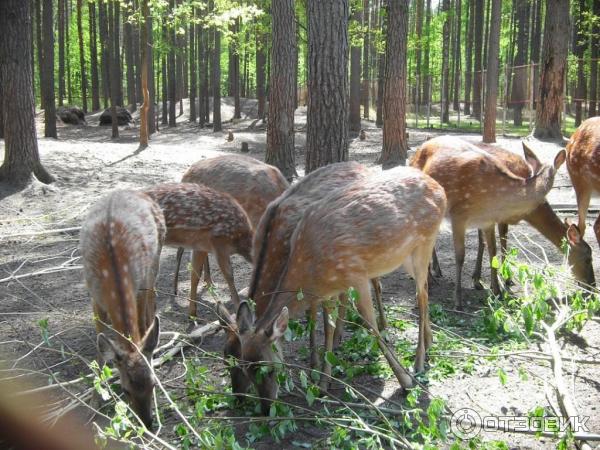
column 88, row 164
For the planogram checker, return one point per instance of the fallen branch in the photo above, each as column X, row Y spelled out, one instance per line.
column 187, row 340
column 41, row 272
column 41, row 233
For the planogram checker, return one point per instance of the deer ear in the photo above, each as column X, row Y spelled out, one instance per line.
column 560, row 159
column 109, row 350
column 573, row 235
column 150, row 340
column 279, row 325
column 531, row 158
column 244, row 317
column 226, row 320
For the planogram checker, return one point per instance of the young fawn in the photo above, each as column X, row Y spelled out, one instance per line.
column 272, row 245
column 120, row 244
column 361, row 231
column 205, row 221
column 251, row 182
column 583, row 164
column 545, row 220
column 482, row 191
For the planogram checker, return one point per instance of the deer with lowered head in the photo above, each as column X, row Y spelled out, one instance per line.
column 120, row 244
column 253, row 183
column 482, row 191
column 361, row 231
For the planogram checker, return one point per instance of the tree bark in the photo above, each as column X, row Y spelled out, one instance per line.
column 94, row 57
column 446, row 62
column 282, row 92
column 216, row 79
column 61, row 51
column 426, row 57
column 192, row 65
column 105, row 55
column 365, row 60
column 68, row 50
column 395, row 145
column 491, row 91
column 519, row 82
column 469, row 55
column 81, row 56
column 171, row 69
column 128, row 44
column 152, row 119
column 39, row 46
column 114, row 79
column 116, row 65
column 553, row 70
column 478, row 67
column 144, row 69
column 355, row 53
column 261, row 60
column 457, row 56
column 48, row 72
column 594, row 54
column 21, row 157
column 327, row 110
column 235, row 83
column 579, row 47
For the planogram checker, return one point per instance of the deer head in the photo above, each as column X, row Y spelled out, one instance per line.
column 137, row 379
column 580, row 255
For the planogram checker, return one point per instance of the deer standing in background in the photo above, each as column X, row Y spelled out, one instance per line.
column 205, row 221
column 583, row 165
column 120, row 244
column 545, row 220
column 251, row 182
column 482, row 191
column 361, row 231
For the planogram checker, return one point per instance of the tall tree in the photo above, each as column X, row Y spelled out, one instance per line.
column 234, row 68
column 116, row 62
column 519, row 82
column 81, row 56
column 469, row 55
column 419, row 5
column 457, row 56
column 38, row 44
column 261, row 61
column 327, row 109
column 105, row 55
column 21, row 156
column 355, row 52
column 216, row 74
column 579, row 47
column 94, row 57
column 395, row 145
column 171, row 69
column 365, row 59
column 192, row 66
column 594, row 54
column 491, row 91
column 129, row 60
column 152, row 120
column 48, row 72
column 446, row 62
column 426, row 57
column 114, row 79
column 282, row 92
column 61, row 51
column 144, row 69
column 553, row 70
column 477, row 58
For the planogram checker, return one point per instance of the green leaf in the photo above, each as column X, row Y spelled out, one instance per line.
column 502, row 375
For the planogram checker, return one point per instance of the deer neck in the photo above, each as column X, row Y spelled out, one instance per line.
column 540, row 184
column 545, row 220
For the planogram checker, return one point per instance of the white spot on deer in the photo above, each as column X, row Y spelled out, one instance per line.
column 125, row 268
column 105, row 273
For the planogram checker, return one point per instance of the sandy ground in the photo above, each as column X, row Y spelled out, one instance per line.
column 88, row 164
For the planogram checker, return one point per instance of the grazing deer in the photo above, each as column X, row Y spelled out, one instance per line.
column 120, row 244
column 482, row 191
column 206, row 221
column 545, row 220
column 583, row 164
column 251, row 182
column 361, row 231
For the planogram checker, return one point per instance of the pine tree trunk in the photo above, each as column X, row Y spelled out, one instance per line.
column 165, row 92
column 594, row 54
column 202, row 88
column 457, row 56
column 553, row 70
column 137, row 63
column 282, row 92
column 216, row 77
column 171, row 69
column 395, row 145
column 364, row 95
column 521, row 73
column 152, row 118
column 192, row 66
column 48, row 71
column 426, row 65
column 235, row 76
column 144, row 69
column 105, row 54
column 39, row 46
column 469, row 55
column 261, row 59
column 114, row 88
column 128, row 43
column 355, row 52
column 94, row 57
column 327, row 111
column 116, row 65
column 61, row 51
column 580, row 37
column 491, row 91
column 21, row 157
column 446, row 62
column 81, row 56
column 68, row 10
column 477, row 64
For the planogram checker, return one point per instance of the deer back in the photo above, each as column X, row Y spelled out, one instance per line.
column 583, row 154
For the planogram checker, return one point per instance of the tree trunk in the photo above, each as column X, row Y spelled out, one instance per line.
column 202, row 88
column 580, row 39
column 364, row 95
column 234, row 77
column 261, row 59
column 94, row 57
column 39, row 46
column 282, row 92
column 594, row 53
column 152, row 119
column 105, row 55
column 116, row 65
column 144, row 68
column 68, row 9
column 128, row 44
column 165, row 92
column 521, row 73
column 426, row 66
column 355, row 52
column 192, row 65
column 491, row 91
column 216, row 79
column 446, row 62
column 469, row 55
column 395, row 145
column 477, row 69
column 553, row 70
column 48, row 72
column 61, row 51
column 327, row 111
column 114, row 79
column 21, row 157
column 137, row 64
column 457, row 56
column 81, row 57
column 171, row 69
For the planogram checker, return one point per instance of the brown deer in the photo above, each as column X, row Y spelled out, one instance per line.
column 482, row 191
column 583, row 164
column 120, row 244
column 206, row 221
column 251, row 182
column 545, row 220
column 361, row 231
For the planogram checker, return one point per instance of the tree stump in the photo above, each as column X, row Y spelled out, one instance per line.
column 245, row 148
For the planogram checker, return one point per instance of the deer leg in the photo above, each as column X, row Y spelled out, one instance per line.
column 458, row 236
column 436, row 270
column 311, row 316
column 490, row 238
column 583, row 195
column 381, row 320
column 503, row 235
column 365, row 308
column 341, row 320
column 597, row 229
column 198, row 258
column 420, row 264
column 478, row 262
column 207, row 278
column 225, row 266
column 328, row 328
column 180, row 251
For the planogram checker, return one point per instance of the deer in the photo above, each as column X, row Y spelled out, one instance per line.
column 120, row 244
column 544, row 220
column 482, row 191
column 583, row 165
column 205, row 221
column 251, row 182
column 363, row 230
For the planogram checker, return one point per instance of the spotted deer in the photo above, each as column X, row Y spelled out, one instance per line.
column 482, row 191
column 205, row 221
column 583, row 165
column 544, row 220
column 120, row 244
column 251, row 182
column 272, row 245
column 361, row 231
